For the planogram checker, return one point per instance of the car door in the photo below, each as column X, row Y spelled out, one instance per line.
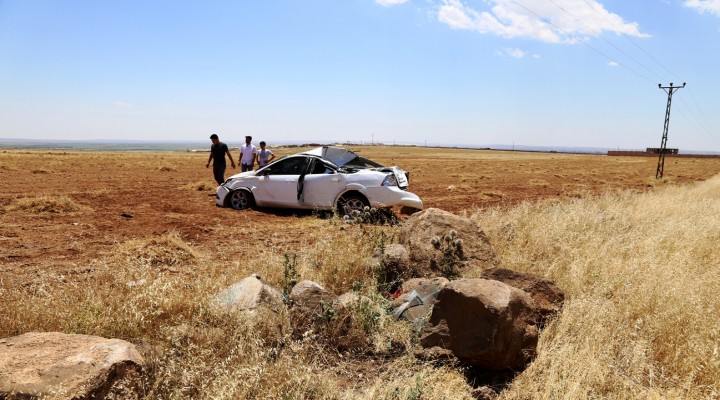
column 278, row 187
column 321, row 186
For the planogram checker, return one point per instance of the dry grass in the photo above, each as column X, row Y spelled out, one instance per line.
column 165, row 250
column 167, row 168
column 642, row 273
column 156, row 293
column 200, row 186
column 46, row 205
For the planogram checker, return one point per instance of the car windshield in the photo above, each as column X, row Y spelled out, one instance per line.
column 362, row 162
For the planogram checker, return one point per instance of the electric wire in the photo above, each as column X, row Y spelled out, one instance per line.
column 592, row 7
column 697, row 128
column 605, row 39
column 703, row 129
column 704, row 124
column 568, row 34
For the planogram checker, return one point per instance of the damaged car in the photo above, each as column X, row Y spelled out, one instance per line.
column 325, row 178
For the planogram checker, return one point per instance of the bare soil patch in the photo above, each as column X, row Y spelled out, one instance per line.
column 85, row 203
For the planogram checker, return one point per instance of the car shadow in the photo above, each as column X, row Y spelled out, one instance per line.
column 293, row 212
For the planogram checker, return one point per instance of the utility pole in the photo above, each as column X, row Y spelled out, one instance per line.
column 663, row 145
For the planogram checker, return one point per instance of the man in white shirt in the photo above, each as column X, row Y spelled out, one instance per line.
column 248, row 155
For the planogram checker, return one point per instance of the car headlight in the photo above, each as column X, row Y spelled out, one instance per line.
column 390, row 180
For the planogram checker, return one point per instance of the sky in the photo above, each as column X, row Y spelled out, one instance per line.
column 580, row 73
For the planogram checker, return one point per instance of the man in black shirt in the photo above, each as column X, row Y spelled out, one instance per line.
column 217, row 152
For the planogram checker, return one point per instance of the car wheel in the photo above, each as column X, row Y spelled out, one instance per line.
column 240, row 199
column 351, row 202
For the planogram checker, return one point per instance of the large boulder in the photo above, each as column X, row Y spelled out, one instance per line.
column 482, row 323
column 310, row 302
column 60, row 365
column 548, row 297
column 439, row 242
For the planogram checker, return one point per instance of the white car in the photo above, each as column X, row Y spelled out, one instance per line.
column 325, row 178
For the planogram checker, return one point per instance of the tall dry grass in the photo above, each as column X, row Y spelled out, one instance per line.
column 642, row 275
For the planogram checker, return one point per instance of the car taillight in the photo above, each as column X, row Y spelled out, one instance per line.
column 390, row 180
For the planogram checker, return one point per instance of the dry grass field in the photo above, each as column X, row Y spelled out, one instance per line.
column 637, row 258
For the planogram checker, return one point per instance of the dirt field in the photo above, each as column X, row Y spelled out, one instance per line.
column 174, row 191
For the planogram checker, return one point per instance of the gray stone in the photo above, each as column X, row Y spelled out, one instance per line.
column 309, row 301
column 249, row 294
column 67, row 366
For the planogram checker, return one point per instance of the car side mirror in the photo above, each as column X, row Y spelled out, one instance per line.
column 266, row 171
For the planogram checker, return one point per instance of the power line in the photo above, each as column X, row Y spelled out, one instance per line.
column 592, row 7
column 580, row 41
column 704, row 123
column 605, row 39
column 703, row 129
column 710, row 133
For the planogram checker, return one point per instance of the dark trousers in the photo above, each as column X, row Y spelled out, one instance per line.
column 219, row 173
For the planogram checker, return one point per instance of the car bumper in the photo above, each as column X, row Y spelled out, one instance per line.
column 220, row 194
column 382, row 197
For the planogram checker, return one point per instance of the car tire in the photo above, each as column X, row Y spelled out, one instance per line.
column 240, row 199
column 351, row 202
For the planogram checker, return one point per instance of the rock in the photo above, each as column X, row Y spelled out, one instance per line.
column 424, row 284
column 66, row 366
column 419, row 296
column 346, row 301
column 482, row 323
column 484, row 393
column 548, row 297
column 249, row 294
column 260, row 305
column 309, row 302
column 439, row 242
column 394, row 262
column 354, row 316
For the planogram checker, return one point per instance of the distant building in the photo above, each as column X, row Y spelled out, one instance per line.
column 656, row 150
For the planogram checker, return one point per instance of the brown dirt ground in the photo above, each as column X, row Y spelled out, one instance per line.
column 174, row 191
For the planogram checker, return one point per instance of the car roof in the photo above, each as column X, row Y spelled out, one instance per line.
column 336, row 155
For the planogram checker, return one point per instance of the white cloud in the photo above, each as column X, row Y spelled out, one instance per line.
column 559, row 21
column 390, row 2
column 702, row 6
column 122, row 104
column 517, row 53
column 613, row 64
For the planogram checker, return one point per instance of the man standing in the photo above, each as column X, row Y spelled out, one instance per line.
column 248, row 154
column 217, row 153
column 264, row 155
